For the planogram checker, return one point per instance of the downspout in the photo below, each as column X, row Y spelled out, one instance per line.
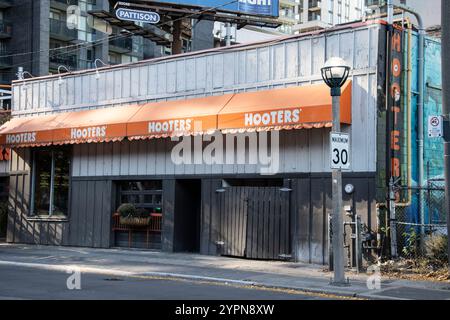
column 390, row 12
column 420, row 104
column 408, row 94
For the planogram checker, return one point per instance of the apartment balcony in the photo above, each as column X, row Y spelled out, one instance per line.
column 59, row 30
column 375, row 3
column 310, row 26
column 290, row 20
column 287, row 17
column 85, row 64
column 5, row 62
column 314, row 5
column 5, row 29
column 288, row 3
column 4, row 4
column 121, row 45
column 62, row 4
column 69, row 61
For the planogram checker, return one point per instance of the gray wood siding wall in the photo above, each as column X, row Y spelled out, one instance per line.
column 89, row 218
column 310, row 204
column 90, row 213
column 295, row 61
column 300, row 151
column 4, row 167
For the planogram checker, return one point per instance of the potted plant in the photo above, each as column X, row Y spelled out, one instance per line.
column 130, row 216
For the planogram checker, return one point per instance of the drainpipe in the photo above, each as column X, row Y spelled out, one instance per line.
column 390, row 12
column 420, row 101
column 408, row 97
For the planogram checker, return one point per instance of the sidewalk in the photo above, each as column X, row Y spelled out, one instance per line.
column 285, row 275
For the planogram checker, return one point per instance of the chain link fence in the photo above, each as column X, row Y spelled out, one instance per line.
column 421, row 222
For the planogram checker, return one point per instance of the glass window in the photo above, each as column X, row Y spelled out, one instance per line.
column 141, row 185
column 50, row 182
column 143, row 194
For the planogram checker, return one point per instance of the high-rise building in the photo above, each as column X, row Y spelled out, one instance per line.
column 305, row 15
column 52, row 36
column 322, row 14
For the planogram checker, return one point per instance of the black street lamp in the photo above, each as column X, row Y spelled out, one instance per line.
column 335, row 72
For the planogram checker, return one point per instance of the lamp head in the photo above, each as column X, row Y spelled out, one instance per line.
column 334, row 73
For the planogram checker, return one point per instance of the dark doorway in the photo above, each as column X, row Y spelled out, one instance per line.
column 255, row 222
column 187, row 216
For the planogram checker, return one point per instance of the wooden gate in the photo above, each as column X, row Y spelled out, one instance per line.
column 254, row 222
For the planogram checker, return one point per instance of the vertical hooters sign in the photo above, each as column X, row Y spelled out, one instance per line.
column 395, row 106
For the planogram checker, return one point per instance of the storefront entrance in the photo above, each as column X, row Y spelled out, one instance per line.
column 141, row 228
column 255, row 222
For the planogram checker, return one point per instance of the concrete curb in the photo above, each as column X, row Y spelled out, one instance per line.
column 168, row 275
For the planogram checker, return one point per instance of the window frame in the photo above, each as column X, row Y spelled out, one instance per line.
column 150, row 192
column 32, row 213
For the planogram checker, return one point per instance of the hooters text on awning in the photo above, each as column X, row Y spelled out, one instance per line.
column 303, row 107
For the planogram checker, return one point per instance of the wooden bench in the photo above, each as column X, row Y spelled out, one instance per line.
column 155, row 225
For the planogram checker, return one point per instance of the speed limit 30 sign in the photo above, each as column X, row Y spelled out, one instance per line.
column 340, row 150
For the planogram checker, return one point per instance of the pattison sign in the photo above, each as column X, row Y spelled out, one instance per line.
column 137, row 15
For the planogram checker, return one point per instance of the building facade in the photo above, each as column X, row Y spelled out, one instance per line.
column 89, row 142
column 67, row 193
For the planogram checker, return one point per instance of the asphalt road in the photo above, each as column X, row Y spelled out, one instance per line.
column 31, row 283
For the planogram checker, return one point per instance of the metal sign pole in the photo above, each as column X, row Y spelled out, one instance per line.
column 337, row 220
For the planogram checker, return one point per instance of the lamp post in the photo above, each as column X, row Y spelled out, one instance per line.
column 335, row 72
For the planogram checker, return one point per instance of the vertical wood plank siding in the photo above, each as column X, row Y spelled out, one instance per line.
column 300, row 151
column 89, row 220
column 274, row 223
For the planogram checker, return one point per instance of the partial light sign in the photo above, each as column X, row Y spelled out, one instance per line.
column 250, row 7
column 137, row 15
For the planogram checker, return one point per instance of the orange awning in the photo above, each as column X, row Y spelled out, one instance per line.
column 177, row 118
column 290, row 108
column 98, row 125
column 30, row 131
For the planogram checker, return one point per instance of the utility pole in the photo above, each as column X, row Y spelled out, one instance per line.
column 445, row 12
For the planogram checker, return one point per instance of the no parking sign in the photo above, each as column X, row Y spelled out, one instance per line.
column 435, row 127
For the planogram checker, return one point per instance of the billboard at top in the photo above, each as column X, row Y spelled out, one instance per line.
column 268, row 8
